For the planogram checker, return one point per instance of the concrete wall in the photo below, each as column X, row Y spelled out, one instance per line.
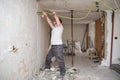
column 22, row 28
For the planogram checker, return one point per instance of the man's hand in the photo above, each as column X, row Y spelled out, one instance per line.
column 54, row 13
column 44, row 14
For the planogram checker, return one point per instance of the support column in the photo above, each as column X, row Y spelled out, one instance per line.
column 72, row 36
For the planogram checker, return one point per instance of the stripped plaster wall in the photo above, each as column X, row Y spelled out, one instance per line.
column 116, row 42
column 108, row 31
column 22, row 28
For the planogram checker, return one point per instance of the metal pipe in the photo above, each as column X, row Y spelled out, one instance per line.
column 72, row 36
column 112, row 39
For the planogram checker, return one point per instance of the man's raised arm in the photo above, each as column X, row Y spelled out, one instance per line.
column 57, row 19
column 48, row 19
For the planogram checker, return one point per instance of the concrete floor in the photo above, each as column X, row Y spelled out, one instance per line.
column 90, row 69
column 86, row 69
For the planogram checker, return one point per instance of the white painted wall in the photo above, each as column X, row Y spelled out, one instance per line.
column 78, row 29
column 91, row 32
column 116, row 42
column 22, row 27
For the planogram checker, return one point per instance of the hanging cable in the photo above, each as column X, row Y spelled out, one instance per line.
column 88, row 13
column 106, row 5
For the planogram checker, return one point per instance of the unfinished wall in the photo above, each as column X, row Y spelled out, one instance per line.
column 108, row 31
column 79, row 31
column 116, row 39
column 22, row 28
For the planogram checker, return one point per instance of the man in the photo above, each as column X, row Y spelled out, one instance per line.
column 56, row 43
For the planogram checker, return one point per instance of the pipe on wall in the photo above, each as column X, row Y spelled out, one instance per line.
column 112, row 39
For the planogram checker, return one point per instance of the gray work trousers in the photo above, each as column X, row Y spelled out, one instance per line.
column 57, row 51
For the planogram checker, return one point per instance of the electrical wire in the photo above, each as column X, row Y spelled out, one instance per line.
column 107, row 6
column 88, row 13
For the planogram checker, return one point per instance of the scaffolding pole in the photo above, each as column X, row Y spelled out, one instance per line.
column 72, row 36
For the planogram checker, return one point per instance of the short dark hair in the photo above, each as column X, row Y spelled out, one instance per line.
column 60, row 20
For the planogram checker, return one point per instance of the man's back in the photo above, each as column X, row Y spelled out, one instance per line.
column 56, row 35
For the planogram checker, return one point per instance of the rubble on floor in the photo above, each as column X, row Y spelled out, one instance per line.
column 72, row 73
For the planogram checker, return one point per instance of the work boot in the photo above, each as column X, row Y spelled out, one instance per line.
column 61, row 75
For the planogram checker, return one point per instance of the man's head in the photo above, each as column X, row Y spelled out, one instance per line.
column 55, row 23
column 60, row 20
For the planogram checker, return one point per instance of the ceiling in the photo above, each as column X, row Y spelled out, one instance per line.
column 80, row 8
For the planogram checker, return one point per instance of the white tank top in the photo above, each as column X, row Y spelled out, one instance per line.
column 56, row 35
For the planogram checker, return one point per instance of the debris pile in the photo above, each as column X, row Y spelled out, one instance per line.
column 72, row 73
